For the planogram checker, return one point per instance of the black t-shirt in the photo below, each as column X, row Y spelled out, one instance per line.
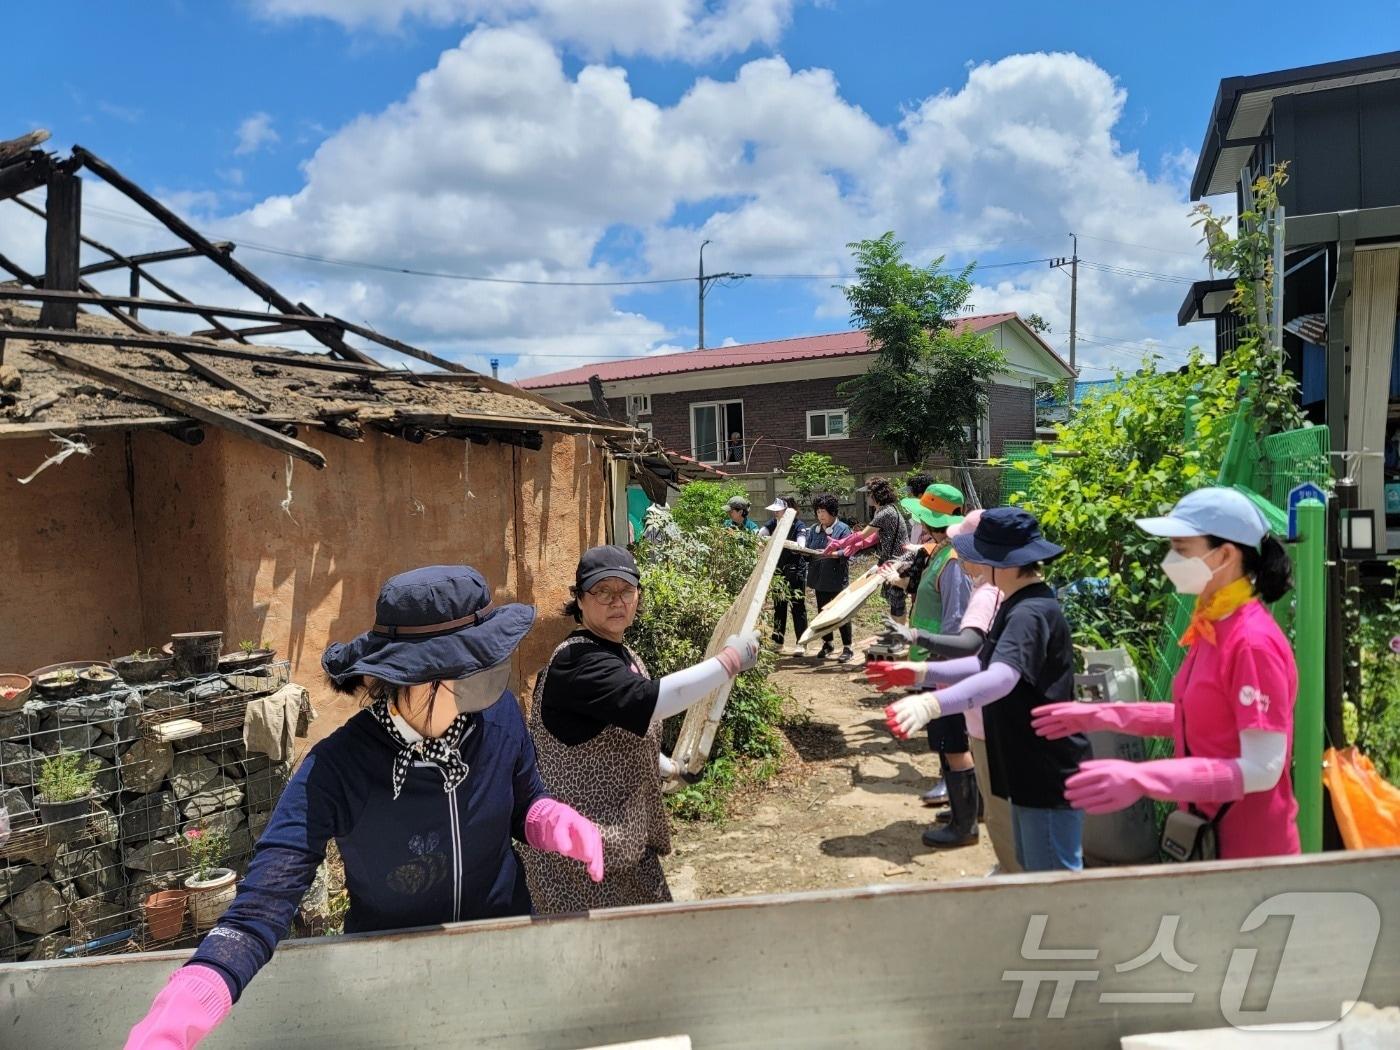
column 592, row 685
column 1031, row 636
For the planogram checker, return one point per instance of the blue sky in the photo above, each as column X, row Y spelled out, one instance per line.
column 604, row 139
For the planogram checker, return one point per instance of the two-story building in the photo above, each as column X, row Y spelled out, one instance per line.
column 747, row 409
column 1337, row 125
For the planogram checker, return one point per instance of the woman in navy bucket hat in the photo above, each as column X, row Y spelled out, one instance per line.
column 423, row 791
column 1026, row 662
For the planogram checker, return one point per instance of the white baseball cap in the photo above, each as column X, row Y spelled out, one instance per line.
column 1219, row 512
column 777, row 506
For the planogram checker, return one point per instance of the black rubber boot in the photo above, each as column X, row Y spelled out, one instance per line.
column 938, row 794
column 962, row 797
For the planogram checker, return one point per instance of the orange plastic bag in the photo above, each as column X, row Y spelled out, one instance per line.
column 1367, row 807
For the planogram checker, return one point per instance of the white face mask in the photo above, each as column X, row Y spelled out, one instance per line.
column 479, row 691
column 1188, row 575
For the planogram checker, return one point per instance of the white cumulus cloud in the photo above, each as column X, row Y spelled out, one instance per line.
column 688, row 29
column 254, row 133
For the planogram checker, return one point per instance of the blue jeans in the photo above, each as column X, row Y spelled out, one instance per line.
column 1048, row 839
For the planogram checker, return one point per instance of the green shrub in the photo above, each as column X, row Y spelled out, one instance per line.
column 1125, row 455
column 701, row 503
column 1373, row 718
column 813, row 473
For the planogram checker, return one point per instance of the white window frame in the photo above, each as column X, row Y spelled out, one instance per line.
column 638, row 405
column 827, row 413
column 981, row 447
column 722, row 453
column 645, row 428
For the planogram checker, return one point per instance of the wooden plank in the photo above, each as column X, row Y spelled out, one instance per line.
column 187, row 233
column 702, row 720
column 62, row 232
column 25, row 175
column 835, row 968
column 185, row 406
column 135, row 262
column 13, row 148
column 844, row 606
column 13, row 431
column 398, row 345
column 117, row 256
column 453, row 371
column 175, row 342
column 297, row 322
column 242, row 333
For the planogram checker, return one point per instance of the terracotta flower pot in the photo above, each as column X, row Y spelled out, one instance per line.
column 209, row 898
column 14, row 691
column 165, row 914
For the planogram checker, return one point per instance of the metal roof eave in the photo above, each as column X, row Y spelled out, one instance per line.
column 1278, row 82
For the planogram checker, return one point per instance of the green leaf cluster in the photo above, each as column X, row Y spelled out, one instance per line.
column 813, row 473
column 929, row 382
column 1123, row 456
column 701, row 503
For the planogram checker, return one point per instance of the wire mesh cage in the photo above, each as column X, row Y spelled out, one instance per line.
column 131, row 770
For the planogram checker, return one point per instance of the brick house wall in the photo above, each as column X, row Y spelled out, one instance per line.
column 775, row 422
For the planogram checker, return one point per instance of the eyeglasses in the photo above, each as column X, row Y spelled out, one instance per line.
column 621, row 596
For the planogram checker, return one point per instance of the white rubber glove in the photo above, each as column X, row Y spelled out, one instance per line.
column 907, row 716
column 740, row 653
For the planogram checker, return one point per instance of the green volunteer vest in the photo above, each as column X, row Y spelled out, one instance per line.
column 927, row 614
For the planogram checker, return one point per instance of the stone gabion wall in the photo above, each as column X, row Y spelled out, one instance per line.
column 56, row 898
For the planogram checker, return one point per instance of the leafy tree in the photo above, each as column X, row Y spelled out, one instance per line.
column 927, row 389
column 812, row 473
column 1249, row 256
column 1036, row 323
column 1123, row 456
column 701, row 503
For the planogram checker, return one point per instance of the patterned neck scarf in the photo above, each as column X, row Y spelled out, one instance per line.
column 443, row 752
column 1222, row 603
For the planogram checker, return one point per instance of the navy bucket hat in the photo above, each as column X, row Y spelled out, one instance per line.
column 431, row 624
column 1006, row 538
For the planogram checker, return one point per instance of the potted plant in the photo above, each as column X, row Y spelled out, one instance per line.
column 211, row 887
column 165, row 914
column 14, row 691
column 58, row 685
column 65, row 794
column 196, row 652
column 144, row 665
column 250, row 655
column 98, row 679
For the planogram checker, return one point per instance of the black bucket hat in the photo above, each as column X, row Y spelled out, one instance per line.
column 1006, row 538
column 433, row 624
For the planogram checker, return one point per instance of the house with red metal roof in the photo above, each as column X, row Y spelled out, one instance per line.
column 748, row 408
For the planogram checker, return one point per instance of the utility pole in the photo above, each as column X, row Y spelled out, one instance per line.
column 1073, row 263
column 704, row 281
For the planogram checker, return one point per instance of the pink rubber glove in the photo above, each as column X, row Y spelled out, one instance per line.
column 1109, row 784
column 552, row 827
column 188, row 1008
column 1056, row 721
column 858, row 541
column 885, row 675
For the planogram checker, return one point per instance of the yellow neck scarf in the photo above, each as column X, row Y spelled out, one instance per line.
column 1222, row 603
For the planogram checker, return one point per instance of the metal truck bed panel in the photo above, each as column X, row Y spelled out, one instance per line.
column 902, row 966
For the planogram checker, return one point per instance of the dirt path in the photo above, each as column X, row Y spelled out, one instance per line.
column 844, row 811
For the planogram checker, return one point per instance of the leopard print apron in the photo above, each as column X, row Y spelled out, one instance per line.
column 613, row 781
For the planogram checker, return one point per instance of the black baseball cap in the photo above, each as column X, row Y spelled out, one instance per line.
column 599, row 563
